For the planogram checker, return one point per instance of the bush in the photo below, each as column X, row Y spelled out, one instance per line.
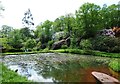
column 30, row 44
column 50, row 44
column 73, row 43
column 38, row 46
column 107, row 44
column 64, row 47
column 85, row 44
column 4, row 44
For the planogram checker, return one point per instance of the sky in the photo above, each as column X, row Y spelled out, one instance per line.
column 42, row 9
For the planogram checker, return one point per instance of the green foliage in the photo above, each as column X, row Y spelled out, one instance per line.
column 108, row 44
column 73, row 43
column 86, row 44
column 64, row 47
column 14, row 39
column 38, row 45
column 50, row 44
column 59, row 36
column 115, row 65
column 59, row 24
column 30, row 44
column 11, row 76
column 25, row 33
column 88, row 52
column 44, row 32
column 4, row 43
column 5, row 31
column 87, row 19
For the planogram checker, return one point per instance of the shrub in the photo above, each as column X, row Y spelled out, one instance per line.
column 30, row 43
column 107, row 44
column 73, row 43
column 50, row 44
column 64, row 47
column 4, row 44
column 38, row 45
column 85, row 44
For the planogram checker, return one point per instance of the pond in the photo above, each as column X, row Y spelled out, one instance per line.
column 58, row 67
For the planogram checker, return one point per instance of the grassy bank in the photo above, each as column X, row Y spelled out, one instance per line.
column 72, row 51
column 10, row 76
column 115, row 64
column 88, row 52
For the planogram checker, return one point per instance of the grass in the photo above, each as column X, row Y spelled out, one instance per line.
column 73, row 51
column 115, row 65
column 88, row 52
column 10, row 76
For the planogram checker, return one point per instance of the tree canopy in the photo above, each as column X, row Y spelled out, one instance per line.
column 82, row 29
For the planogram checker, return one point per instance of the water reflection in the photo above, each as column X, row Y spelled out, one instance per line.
column 53, row 67
column 74, row 72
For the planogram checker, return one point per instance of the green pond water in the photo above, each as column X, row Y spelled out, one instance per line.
column 59, row 67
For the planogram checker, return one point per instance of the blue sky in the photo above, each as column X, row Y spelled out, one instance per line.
column 42, row 9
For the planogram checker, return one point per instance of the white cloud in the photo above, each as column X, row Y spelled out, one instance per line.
column 42, row 9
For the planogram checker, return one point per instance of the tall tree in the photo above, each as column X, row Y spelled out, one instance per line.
column 44, row 31
column 69, row 23
column 27, row 20
column 59, row 24
column 87, row 19
column 28, row 24
column 25, row 33
column 15, row 40
column 47, row 27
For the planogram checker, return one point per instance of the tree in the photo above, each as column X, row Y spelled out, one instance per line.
column 59, row 24
column 30, row 43
column 69, row 21
column 5, row 31
column 15, row 40
column 87, row 20
column 28, row 23
column 27, row 20
column 44, row 31
column 25, row 33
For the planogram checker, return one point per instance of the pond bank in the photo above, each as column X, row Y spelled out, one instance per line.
column 8, row 75
column 72, row 51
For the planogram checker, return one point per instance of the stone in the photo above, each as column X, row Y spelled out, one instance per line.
column 58, row 44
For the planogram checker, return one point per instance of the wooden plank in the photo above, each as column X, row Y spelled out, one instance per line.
column 104, row 78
